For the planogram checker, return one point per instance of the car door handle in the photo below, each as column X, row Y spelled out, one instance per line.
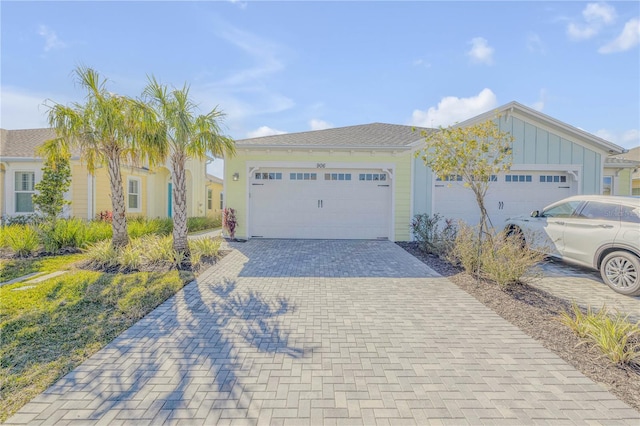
column 606, row 226
column 559, row 223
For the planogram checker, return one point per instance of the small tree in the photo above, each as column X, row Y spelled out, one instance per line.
column 56, row 180
column 476, row 153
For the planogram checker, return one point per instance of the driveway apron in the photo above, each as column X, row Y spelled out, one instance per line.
column 324, row 332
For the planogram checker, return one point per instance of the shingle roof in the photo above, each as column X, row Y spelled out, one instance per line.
column 23, row 143
column 375, row 135
column 214, row 179
column 632, row 154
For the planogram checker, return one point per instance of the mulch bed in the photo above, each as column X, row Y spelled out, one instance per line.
column 536, row 313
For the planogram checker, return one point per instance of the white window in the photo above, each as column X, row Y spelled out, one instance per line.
column 134, row 204
column 607, row 185
column 24, row 190
column 209, row 199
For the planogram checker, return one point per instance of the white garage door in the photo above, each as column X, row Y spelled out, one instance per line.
column 513, row 194
column 320, row 203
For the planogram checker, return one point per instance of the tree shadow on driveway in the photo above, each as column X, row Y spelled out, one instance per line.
column 196, row 355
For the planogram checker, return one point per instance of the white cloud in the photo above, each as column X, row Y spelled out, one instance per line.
column 421, row 63
column 21, row 109
column 451, row 110
column 264, row 131
column 540, row 103
column 481, row 52
column 629, row 38
column 627, row 139
column 534, row 43
column 51, row 40
column 316, row 124
column 595, row 15
column 599, row 12
column 631, row 138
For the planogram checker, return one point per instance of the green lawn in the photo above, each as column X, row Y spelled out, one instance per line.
column 47, row 329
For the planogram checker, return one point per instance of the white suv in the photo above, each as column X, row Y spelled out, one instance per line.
column 600, row 232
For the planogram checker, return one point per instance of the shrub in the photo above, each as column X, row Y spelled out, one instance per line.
column 139, row 227
column 497, row 257
column 466, row 249
column 201, row 223
column 616, row 337
column 102, row 255
column 105, row 216
column 229, row 221
column 97, row 230
column 431, row 239
column 21, row 239
column 25, row 219
column 505, row 261
column 63, row 234
column 204, row 248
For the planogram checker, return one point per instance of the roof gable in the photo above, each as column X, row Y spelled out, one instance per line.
column 548, row 121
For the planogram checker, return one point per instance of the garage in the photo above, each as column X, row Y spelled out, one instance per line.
column 289, row 202
column 516, row 193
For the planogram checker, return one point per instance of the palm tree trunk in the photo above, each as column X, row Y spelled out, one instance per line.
column 119, row 224
column 180, row 243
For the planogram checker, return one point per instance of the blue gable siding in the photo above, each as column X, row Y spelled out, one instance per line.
column 534, row 145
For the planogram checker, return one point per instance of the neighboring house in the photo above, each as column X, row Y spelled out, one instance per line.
column 634, row 156
column 364, row 182
column 147, row 191
column 215, row 196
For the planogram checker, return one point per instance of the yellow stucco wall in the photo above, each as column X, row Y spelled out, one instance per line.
column 622, row 180
column 79, row 191
column 103, row 190
column 216, row 189
column 236, row 191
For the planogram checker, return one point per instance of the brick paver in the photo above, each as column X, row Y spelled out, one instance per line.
column 586, row 288
column 333, row 332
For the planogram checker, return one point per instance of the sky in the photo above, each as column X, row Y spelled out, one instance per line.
column 282, row 67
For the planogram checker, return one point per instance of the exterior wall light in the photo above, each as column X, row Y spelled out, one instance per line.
column 236, row 176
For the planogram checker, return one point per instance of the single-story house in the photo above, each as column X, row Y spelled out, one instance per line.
column 147, row 190
column 365, row 182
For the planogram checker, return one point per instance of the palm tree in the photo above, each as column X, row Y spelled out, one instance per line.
column 184, row 135
column 105, row 130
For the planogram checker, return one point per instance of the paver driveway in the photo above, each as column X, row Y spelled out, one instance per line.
column 333, row 332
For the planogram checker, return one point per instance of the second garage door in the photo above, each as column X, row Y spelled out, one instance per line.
column 320, row 203
column 516, row 193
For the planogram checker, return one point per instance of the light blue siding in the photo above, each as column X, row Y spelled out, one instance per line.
column 566, row 152
column 591, row 180
column 530, row 143
column 518, row 142
column 542, row 146
column 554, row 149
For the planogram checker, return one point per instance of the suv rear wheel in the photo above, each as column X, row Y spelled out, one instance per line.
column 620, row 270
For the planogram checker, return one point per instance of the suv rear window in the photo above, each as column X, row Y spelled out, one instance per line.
column 600, row 210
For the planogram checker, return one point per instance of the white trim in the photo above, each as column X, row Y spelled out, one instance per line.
column 15, row 192
column 139, row 194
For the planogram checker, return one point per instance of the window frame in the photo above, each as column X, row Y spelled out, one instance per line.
column 209, row 199
column 221, row 200
column 138, row 194
column 17, row 191
column 609, row 185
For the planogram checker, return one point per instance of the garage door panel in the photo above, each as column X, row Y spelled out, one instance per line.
column 515, row 193
column 336, row 204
